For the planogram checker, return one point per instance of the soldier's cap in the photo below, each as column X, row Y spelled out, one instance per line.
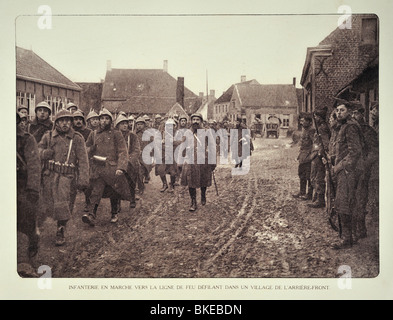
column 105, row 112
column 79, row 114
column 43, row 104
column 70, row 105
column 92, row 114
column 146, row 117
column 120, row 119
column 158, row 116
column 198, row 115
column 22, row 107
column 321, row 112
column 140, row 119
column 63, row 114
column 131, row 117
column 348, row 104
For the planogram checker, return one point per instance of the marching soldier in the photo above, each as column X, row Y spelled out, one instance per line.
column 370, row 157
column 93, row 121
column 109, row 151
column 347, row 163
column 168, row 132
column 145, row 167
column 133, row 151
column 79, row 125
column 304, row 158
column 41, row 123
column 71, row 107
column 196, row 175
column 318, row 170
column 28, row 185
column 65, row 159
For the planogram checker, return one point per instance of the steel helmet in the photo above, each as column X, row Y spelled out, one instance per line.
column 105, row 112
column 183, row 116
column 199, row 115
column 140, row 119
column 70, row 105
column 170, row 121
column 131, row 117
column 43, row 104
column 22, row 107
column 92, row 114
column 79, row 114
column 63, row 114
column 119, row 119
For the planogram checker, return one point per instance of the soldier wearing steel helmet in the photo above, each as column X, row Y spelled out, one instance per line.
column 197, row 175
column 65, row 159
column 145, row 168
column 28, row 188
column 71, row 107
column 42, row 122
column 108, row 149
column 93, row 121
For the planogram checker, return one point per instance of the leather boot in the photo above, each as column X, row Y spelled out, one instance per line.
column 164, row 184
column 302, row 191
column 319, row 203
column 203, row 196
column 172, row 184
column 192, row 192
column 89, row 218
column 346, row 240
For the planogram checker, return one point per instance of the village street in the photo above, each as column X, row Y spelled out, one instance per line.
column 253, row 229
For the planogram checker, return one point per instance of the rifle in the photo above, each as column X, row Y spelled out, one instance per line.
column 330, row 203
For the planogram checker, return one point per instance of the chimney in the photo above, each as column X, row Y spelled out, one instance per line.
column 108, row 65
column 294, row 81
column 242, row 78
column 165, row 68
column 180, row 91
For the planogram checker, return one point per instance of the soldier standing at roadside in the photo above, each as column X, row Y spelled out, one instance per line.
column 64, row 153
column 347, row 163
column 371, row 159
column 318, row 170
column 304, row 158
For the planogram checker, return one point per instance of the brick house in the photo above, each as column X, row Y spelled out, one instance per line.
column 37, row 80
column 344, row 64
column 145, row 91
column 90, row 97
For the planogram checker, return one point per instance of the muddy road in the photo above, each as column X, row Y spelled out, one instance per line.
column 254, row 228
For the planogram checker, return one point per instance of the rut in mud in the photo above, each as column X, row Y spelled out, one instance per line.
column 252, row 229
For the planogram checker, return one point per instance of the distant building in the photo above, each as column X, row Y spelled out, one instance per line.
column 145, row 91
column 345, row 64
column 37, row 80
column 90, row 96
column 224, row 106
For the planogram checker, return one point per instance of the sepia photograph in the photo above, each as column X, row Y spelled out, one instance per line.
column 182, row 152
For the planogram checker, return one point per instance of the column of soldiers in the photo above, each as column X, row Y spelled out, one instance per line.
column 335, row 162
column 99, row 156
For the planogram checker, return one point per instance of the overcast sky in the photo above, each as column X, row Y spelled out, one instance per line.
column 268, row 48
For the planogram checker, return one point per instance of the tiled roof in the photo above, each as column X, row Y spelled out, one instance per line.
column 268, row 95
column 227, row 95
column 141, row 90
column 29, row 66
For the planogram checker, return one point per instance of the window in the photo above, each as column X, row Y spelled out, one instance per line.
column 285, row 120
column 370, row 30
